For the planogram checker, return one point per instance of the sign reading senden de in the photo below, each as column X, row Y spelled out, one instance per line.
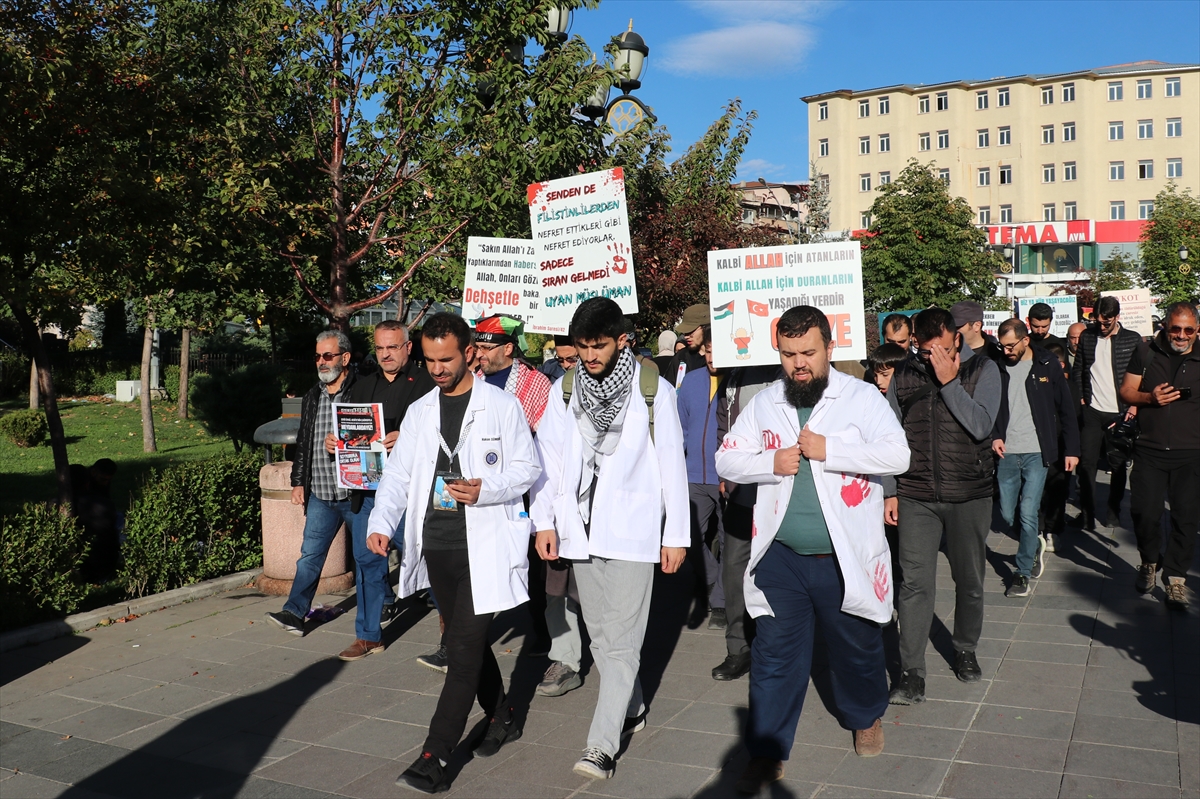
column 581, row 245
column 749, row 289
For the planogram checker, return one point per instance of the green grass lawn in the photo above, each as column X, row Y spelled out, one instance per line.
column 97, row 430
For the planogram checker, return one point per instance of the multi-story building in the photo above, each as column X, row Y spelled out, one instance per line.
column 1062, row 168
column 779, row 205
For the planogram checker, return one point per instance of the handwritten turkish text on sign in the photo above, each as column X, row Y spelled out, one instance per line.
column 749, row 289
column 581, row 242
column 501, row 278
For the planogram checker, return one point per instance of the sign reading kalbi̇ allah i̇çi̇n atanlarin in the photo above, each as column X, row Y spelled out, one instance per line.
column 360, row 453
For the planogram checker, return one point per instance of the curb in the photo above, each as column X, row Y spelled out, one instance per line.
column 49, row 630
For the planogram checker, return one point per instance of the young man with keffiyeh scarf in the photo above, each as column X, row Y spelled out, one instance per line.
column 613, row 499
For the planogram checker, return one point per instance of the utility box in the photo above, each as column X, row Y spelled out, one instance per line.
column 128, row 390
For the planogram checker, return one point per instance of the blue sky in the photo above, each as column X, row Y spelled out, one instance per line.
column 772, row 52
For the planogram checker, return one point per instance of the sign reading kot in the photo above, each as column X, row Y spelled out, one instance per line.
column 749, row 289
column 1078, row 230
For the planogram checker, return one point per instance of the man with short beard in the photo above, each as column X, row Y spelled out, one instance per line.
column 314, row 477
column 814, row 443
column 691, row 331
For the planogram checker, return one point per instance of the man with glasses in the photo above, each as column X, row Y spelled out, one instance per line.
column 1101, row 361
column 564, row 359
column 314, row 478
column 1163, row 379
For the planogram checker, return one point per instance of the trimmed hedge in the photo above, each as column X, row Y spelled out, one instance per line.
column 41, row 549
column 26, row 428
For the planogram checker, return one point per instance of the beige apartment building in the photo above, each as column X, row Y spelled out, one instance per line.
column 1061, row 167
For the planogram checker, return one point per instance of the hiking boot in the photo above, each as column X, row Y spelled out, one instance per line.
column 595, row 764
column 1145, row 578
column 633, row 724
column 435, row 660
column 425, row 775
column 1019, row 587
column 869, row 742
column 558, row 680
column 1176, row 593
column 966, row 667
column 910, row 690
column 498, row 734
column 1039, row 559
column 360, row 649
column 717, row 619
column 733, row 667
column 760, row 771
column 287, row 621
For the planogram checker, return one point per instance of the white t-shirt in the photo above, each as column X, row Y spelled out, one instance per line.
column 1104, row 392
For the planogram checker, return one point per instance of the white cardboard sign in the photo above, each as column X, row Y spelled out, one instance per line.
column 1065, row 307
column 501, row 278
column 1137, row 311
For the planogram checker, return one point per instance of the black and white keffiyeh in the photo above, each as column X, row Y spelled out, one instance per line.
column 600, row 416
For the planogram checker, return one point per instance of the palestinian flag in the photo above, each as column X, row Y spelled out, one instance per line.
column 723, row 311
column 758, row 308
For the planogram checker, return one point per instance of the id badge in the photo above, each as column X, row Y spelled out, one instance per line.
column 442, row 499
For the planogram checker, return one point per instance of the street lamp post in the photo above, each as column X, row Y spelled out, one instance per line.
column 1184, row 266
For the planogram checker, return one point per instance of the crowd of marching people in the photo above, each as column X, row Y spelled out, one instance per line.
column 801, row 498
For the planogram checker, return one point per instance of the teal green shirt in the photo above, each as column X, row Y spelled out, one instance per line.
column 803, row 529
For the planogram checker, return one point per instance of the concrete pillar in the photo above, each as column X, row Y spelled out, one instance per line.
column 283, row 532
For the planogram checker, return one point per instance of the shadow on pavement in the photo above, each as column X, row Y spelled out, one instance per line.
column 19, row 662
column 735, row 760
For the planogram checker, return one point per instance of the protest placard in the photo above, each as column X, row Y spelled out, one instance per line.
column 992, row 320
column 1065, row 307
column 1137, row 311
column 360, row 453
column 581, row 243
column 749, row 289
column 501, row 278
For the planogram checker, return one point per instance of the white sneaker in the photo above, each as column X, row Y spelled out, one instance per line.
column 1051, row 541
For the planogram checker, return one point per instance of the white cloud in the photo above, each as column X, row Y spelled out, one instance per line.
column 757, row 35
column 759, row 167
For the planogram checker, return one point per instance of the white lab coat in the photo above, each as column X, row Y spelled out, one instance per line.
column 640, row 502
column 499, row 450
column 862, row 441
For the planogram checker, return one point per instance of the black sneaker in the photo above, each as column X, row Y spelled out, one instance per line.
column 425, row 775
column 633, row 724
column 595, row 764
column 966, row 667
column 717, row 619
column 388, row 613
column 1019, row 587
column 435, row 660
column 733, row 667
column 287, row 621
column 498, row 734
column 910, row 690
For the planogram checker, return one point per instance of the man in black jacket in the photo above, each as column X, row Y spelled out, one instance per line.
column 1164, row 381
column 1100, row 364
column 1025, row 439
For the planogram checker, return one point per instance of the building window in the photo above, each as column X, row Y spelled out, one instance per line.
column 864, row 108
column 1005, row 175
column 1068, row 131
column 1048, row 212
column 885, row 178
column 985, row 176
column 824, row 145
column 1174, row 167
column 1047, row 134
column 1116, row 170
column 864, row 182
column 944, row 176
column 985, row 215
column 983, row 137
column 1002, row 97
column 1145, row 209
column 923, row 142
column 1116, row 91
column 1047, row 173
column 1145, row 170
column 864, row 145
column 1116, row 131
column 923, row 104
column 1145, row 128
column 885, row 142
column 1068, row 92
column 1174, row 127
column 1047, row 95
column 943, row 101
column 885, row 105
column 823, row 111
column 864, row 219
column 1144, row 90
column 981, row 101
column 1005, row 136
column 1069, row 171
column 1070, row 212
column 943, row 139
column 1116, row 209
column 1172, row 87
column 1006, row 214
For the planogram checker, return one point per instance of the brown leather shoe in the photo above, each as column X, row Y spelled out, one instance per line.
column 759, row 771
column 869, row 742
column 360, row 649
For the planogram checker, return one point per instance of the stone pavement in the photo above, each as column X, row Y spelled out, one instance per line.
column 1088, row 690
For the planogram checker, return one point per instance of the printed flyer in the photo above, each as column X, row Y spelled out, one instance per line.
column 501, row 278
column 360, row 452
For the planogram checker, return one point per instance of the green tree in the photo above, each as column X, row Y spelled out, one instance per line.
column 1115, row 273
column 923, row 247
column 1174, row 223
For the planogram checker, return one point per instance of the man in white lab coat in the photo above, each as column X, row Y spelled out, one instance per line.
column 815, row 443
column 613, row 498
column 468, row 534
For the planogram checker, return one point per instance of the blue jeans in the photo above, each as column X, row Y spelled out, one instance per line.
column 804, row 591
column 321, row 522
column 1022, row 474
column 371, row 575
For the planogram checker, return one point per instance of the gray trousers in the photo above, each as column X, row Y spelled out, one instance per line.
column 562, row 620
column 735, row 557
column 922, row 524
column 705, row 505
column 614, row 596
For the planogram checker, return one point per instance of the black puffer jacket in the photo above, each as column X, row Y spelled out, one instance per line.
column 1124, row 343
column 302, row 459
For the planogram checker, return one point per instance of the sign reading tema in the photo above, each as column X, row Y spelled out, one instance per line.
column 749, row 289
column 501, row 278
column 581, row 244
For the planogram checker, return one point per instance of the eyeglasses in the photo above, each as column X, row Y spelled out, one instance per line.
column 570, row 359
column 326, row 356
column 1012, row 347
column 486, row 347
column 391, row 348
column 1175, row 330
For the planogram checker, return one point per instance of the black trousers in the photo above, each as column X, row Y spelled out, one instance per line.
column 1091, row 444
column 1054, row 497
column 735, row 557
column 1176, row 476
column 473, row 671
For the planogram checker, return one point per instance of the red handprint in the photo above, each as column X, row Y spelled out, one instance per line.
column 855, row 491
column 880, row 583
column 619, row 260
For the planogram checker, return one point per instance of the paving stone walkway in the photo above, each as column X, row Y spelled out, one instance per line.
column 1089, row 690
